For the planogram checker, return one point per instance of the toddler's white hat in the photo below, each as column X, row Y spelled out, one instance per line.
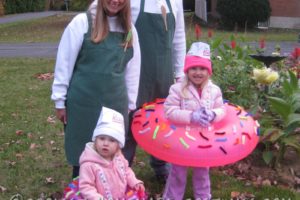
column 110, row 123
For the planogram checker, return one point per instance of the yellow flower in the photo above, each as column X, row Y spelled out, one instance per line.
column 273, row 76
column 265, row 75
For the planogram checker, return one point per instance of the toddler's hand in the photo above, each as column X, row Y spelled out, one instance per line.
column 140, row 188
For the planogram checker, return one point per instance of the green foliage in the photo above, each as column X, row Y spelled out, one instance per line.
column 285, row 118
column 243, row 13
column 48, row 29
column 232, row 68
column 21, row 6
column 79, row 5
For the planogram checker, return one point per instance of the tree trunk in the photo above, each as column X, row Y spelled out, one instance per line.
column 1, row 8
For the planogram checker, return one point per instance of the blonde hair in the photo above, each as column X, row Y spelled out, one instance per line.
column 101, row 27
column 184, row 85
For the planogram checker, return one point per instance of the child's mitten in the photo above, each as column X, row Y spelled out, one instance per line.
column 210, row 115
column 202, row 117
column 199, row 117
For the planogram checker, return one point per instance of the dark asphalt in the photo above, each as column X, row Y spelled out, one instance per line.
column 48, row 50
column 39, row 50
column 27, row 16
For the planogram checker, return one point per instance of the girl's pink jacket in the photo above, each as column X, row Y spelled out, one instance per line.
column 98, row 177
column 180, row 104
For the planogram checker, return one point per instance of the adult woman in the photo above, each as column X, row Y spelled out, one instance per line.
column 98, row 64
column 160, row 26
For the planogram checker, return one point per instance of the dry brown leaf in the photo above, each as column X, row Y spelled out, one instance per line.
column 247, row 195
column 45, row 76
column 55, row 149
column 29, row 135
column 49, row 180
column 141, row 164
column 19, row 155
column 32, row 146
column 266, row 182
column 51, row 119
column 10, row 163
column 2, row 189
column 235, row 194
column 19, row 132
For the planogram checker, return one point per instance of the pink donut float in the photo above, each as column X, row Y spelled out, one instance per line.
column 224, row 142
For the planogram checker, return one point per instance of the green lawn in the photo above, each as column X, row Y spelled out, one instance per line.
column 49, row 29
column 31, row 141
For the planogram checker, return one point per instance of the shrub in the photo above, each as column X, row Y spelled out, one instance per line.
column 79, row 5
column 243, row 13
column 21, row 6
column 232, row 71
column 56, row 5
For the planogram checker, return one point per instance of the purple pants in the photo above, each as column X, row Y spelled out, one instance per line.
column 175, row 186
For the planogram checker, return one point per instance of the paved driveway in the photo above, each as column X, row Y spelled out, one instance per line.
column 48, row 50
column 43, row 50
column 27, row 16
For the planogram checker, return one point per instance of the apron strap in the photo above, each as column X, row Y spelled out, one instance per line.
column 89, row 16
column 169, row 5
column 142, row 5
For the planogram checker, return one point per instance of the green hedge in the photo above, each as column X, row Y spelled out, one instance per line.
column 243, row 13
column 79, row 5
column 21, row 6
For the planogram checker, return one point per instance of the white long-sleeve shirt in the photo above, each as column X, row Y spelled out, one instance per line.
column 179, row 41
column 69, row 48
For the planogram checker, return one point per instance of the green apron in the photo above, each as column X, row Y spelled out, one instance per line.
column 98, row 80
column 157, row 74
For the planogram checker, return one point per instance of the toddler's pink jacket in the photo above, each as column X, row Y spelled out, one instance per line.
column 179, row 105
column 99, row 178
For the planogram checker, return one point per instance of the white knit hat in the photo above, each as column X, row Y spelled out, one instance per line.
column 200, row 49
column 198, row 55
column 110, row 123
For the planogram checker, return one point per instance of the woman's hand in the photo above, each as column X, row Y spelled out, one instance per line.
column 61, row 114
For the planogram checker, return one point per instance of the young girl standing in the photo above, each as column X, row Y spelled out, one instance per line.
column 194, row 101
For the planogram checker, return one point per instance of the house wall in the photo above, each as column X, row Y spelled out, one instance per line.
column 285, row 14
column 285, row 8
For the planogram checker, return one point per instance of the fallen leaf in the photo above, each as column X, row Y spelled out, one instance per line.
column 55, row 149
column 234, row 194
column 32, row 146
column 266, row 182
column 51, row 119
column 19, row 132
column 49, row 180
column 19, row 155
column 247, row 195
column 45, row 76
column 141, row 164
column 10, row 163
column 2, row 189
